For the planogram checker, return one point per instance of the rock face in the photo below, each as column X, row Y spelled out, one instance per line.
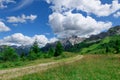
column 72, row 40
column 112, row 31
column 66, row 42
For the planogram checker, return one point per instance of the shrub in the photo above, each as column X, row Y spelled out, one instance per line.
column 58, row 49
column 9, row 54
column 51, row 52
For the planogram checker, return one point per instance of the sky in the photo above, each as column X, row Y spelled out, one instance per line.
column 24, row 21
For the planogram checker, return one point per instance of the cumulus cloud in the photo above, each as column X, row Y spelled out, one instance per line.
column 116, row 15
column 65, row 25
column 21, row 19
column 89, row 6
column 52, row 40
column 3, row 27
column 3, row 3
column 20, row 39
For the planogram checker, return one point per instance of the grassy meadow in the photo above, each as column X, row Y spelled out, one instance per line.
column 18, row 64
column 91, row 67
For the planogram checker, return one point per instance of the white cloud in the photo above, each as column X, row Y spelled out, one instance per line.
column 3, row 3
column 52, row 40
column 65, row 25
column 116, row 15
column 20, row 39
column 3, row 27
column 21, row 19
column 89, row 6
column 23, row 3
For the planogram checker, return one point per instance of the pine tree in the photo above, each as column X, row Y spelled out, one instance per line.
column 51, row 52
column 35, row 48
column 34, row 51
column 9, row 54
column 58, row 49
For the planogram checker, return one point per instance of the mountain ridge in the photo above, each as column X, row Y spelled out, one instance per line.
column 71, row 41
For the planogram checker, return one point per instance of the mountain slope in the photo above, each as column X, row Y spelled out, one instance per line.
column 107, row 45
column 105, row 42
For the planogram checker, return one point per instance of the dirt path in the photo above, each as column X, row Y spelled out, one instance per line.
column 16, row 72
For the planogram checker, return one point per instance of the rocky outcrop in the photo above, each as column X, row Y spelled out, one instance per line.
column 66, row 42
column 112, row 31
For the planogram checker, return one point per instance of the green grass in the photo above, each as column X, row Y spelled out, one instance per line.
column 107, row 45
column 91, row 67
column 8, row 65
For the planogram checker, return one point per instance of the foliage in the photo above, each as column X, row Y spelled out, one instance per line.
column 34, row 52
column 58, row 49
column 78, row 47
column 32, row 55
column 35, row 48
column 9, row 54
column 51, row 52
column 106, row 45
column 23, row 56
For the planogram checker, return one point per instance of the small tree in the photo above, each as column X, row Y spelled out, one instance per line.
column 34, row 51
column 117, row 46
column 58, row 49
column 9, row 54
column 35, row 48
column 51, row 52
column 32, row 55
column 23, row 56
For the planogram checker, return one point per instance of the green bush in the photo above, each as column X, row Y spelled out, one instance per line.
column 58, row 49
column 51, row 52
column 32, row 56
column 9, row 54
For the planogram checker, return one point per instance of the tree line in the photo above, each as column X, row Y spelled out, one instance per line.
column 10, row 54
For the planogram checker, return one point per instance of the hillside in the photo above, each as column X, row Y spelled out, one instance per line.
column 107, row 45
column 105, row 42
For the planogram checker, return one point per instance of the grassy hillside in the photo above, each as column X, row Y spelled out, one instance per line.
column 106, row 45
column 91, row 67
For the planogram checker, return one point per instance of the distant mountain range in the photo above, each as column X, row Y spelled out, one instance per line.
column 111, row 32
column 71, row 41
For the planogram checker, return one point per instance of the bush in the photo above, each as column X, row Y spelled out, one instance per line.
column 9, row 54
column 32, row 56
column 58, row 49
column 51, row 52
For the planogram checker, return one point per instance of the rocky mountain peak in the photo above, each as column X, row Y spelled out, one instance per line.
column 112, row 31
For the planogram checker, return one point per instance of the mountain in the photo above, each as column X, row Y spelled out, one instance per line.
column 105, row 42
column 73, row 43
column 66, row 42
column 111, row 32
column 109, row 44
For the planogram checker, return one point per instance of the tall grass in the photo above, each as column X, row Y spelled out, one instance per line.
column 91, row 67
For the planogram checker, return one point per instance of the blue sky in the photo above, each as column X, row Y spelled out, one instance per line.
column 38, row 26
column 54, row 19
